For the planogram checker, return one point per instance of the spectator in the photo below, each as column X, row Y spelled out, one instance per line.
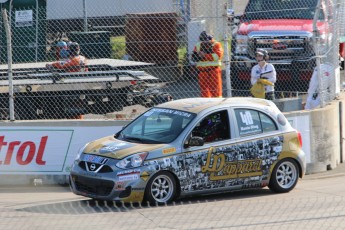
column 74, row 63
column 264, row 73
column 208, row 54
column 61, row 50
column 327, row 76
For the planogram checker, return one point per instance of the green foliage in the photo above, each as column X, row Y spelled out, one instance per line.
column 118, row 47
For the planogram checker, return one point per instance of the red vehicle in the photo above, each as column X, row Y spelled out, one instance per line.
column 286, row 29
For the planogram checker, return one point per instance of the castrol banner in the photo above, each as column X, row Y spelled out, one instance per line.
column 45, row 150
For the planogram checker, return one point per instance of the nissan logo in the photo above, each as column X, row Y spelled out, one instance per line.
column 92, row 167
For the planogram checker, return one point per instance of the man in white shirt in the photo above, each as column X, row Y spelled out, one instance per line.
column 266, row 71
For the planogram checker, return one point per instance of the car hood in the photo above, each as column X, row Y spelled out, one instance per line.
column 278, row 25
column 117, row 149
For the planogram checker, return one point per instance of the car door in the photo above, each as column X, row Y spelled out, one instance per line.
column 260, row 143
column 211, row 166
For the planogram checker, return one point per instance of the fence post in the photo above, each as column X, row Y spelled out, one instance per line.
column 9, row 62
column 316, row 37
column 85, row 16
column 226, row 51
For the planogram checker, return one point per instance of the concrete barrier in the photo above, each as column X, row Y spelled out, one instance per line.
column 321, row 133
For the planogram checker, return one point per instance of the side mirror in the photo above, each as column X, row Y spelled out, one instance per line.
column 195, row 141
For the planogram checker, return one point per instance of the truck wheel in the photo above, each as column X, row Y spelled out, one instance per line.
column 161, row 188
column 284, row 176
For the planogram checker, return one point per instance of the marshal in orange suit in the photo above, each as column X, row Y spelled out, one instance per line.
column 208, row 54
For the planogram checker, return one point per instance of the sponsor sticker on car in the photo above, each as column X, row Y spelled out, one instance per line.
column 95, row 159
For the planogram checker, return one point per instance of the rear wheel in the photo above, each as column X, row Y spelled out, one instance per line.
column 284, row 176
column 161, row 189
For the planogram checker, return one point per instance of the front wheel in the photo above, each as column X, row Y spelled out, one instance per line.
column 284, row 176
column 161, row 188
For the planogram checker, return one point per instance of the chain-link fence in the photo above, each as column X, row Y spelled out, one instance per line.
column 300, row 36
column 139, row 53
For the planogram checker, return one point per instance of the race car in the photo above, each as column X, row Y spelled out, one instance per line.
column 191, row 147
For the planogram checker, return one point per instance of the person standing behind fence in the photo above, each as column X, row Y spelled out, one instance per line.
column 264, row 73
column 74, row 63
column 208, row 54
column 61, row 50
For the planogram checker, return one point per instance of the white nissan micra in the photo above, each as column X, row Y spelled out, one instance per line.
column 192, row 146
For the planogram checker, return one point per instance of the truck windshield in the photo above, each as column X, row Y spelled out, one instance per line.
column 158, row 125
column 280, row 9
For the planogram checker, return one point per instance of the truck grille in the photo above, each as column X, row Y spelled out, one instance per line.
column 281, row 47
column 92, row 186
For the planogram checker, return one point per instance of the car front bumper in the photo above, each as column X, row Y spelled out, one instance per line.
column 108, row 186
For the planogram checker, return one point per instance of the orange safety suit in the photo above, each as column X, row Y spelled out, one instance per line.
column 209, row 68
column 73, row 64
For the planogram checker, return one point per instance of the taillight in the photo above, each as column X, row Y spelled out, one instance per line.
column 299, row 138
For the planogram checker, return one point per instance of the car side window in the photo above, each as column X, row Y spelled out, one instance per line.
column 248, row 121
column 214, row 127
column 267, row 123
column 252, row 122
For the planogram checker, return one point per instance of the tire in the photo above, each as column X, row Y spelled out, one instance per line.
column 161, row 189
column 284, row 176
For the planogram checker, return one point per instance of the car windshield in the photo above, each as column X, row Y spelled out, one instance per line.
column 158, row 125
column 280, row 9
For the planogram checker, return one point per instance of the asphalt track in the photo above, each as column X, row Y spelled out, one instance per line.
column 317, row 202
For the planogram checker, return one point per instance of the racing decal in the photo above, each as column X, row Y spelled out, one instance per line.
column 225, row 166
column 220, row 169
column 169, row 111
column 129, row 177
column 145, row 176
column 169, row 150
column 247, row 125
column 120, row 186
column 127, row 172
column 114, row 146
column 95, row 159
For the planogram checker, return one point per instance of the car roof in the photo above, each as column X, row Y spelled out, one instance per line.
column 196, row 105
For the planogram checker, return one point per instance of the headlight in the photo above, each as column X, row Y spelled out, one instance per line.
column 132, row 161
column 241, row 44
